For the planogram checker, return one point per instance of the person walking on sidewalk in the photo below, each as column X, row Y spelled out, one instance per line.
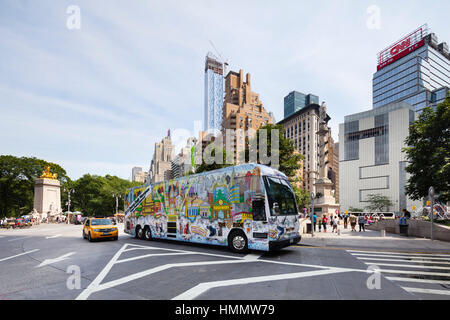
column 345, row 221
column 361, row 222
column 353, row 222
column 320, row 225
column 314, row 221
column 324, row 223
column 335, row 224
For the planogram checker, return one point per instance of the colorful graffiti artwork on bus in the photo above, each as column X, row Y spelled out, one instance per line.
column 206, row 207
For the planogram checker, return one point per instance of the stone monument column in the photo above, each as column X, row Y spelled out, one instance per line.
column 47, row 195
column 326, row 204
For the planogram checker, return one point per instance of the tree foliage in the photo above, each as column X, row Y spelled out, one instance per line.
column 213, row 166
column 302, row 197
column 289, row 160
column 428, row 153
column 378, row 202
column 93, row 194
column 17, row 177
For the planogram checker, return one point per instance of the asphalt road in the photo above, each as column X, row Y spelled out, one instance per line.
column 43, row 263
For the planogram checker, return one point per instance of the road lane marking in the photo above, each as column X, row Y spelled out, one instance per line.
column 401, row 279
column 429, row 291
column 357, row 255
column 17, row 255
column 423, row 273
column 367, row 250
column 151, row 255
column 408, row 260
column 96, row 285
column 402, row 253
column 52, row 237
column 19, row 238
column 407, row 266
column 54, row 260
column 252, row 256
column 205, row 286
column 148, row 272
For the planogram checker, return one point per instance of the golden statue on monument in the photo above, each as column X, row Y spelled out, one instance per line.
column 47, row 174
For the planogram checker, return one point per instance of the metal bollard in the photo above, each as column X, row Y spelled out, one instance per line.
column 383, row 233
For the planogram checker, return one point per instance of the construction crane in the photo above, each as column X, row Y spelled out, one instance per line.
column 224, row 61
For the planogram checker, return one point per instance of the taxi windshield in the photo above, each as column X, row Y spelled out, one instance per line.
column 101, row 222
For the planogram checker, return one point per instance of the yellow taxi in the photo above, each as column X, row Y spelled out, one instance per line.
column 99, row 228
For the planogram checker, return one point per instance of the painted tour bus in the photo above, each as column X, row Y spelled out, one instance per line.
column 248, row 206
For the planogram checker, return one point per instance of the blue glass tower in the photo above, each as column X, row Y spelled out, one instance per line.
column 214, row 93
column 295, row 101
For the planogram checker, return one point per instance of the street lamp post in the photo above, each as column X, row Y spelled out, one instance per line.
column 312, row 214
column 117, row 196
column 69, row 191
column 431, row 195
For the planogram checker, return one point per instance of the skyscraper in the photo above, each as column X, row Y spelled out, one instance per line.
column 243, row 112
column 295, row 101
column 214, row 93
column 415, row 69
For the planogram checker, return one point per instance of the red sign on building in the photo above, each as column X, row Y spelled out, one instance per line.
column 401, row 48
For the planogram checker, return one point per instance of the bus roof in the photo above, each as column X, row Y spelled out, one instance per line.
column 265, row 171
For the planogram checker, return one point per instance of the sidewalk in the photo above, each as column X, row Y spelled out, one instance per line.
column 371, row 239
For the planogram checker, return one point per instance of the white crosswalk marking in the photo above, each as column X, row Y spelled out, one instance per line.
column 416, row 269
column 429, row 291
column 407, row 260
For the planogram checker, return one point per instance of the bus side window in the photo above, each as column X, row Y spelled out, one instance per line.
column 259, row 212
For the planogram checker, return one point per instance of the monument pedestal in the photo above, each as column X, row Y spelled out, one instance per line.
column 326, row 204
column 47, row 197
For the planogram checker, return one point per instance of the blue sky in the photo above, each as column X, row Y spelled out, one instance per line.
column 95, row 100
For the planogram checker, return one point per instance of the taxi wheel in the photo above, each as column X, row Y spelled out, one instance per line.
column 89, row 237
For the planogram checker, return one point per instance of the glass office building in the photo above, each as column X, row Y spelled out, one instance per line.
column 214, row 94
column 418, row 75
column 295, row 101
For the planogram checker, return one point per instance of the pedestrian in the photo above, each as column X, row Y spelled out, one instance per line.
column 314, row 221
column 335, row 224
column 345, row 221
column 324, row 223
column 320, row 225
column 361, row 222
column 353, row 222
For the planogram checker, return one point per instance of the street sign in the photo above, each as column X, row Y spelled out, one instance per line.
column 428, row 202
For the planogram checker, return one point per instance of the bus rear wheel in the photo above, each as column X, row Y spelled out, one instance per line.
column 237, row 242
column 139, row 233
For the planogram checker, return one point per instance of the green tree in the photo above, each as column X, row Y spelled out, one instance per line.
column 94, row 194
column 378, row 202
column 302, row 197
column 214, row 149
column 289, row 160
column 17, row 178
column 428, row 153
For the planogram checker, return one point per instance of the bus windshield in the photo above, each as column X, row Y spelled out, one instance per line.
column 281, row 198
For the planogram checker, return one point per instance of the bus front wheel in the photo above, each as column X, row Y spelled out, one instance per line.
column 237, row 242
column 147, row 233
